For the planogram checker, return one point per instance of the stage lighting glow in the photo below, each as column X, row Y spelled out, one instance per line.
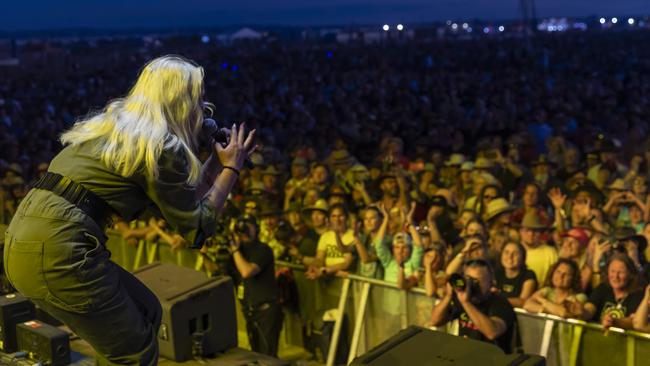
column 386, row 27
column 630, row 21
column 400, row 27
column 501, row 28
column 469, row 30
column 205, row 39
column 602, row 20
column 465, row 25
column 486, row 30
column 614, row 20
column 454, row 26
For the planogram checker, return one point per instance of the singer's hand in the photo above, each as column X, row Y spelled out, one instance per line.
column 238, row 149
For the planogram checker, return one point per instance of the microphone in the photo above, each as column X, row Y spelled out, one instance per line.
column 221, row 135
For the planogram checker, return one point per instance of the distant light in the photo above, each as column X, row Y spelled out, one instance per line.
column 386, row 27
column 454, row 26
column 234, row 68
column 449, row 22
column 329, row 54
column 486, row 30
column 465, row 25
column 630, row 21
column 469, row 30
column 224, row 65
column 614, row 20
column 602, row 20
column 205, row 39
column 400, row 27
column 501, row 28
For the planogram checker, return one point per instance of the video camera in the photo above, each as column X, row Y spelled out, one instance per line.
column 459, row 282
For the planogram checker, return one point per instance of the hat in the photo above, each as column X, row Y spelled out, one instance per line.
column 270, row 170
column 402, row 238
column 299, row 161
column 579, row 234
column 618, row 185
column 270, row 209
column 496, row 207
column 293, row 207
column 455, row 159
column 438, row 200
column 482, row 163
column 429, row 167
column 531, row 221
column 588, row 187
column 358, row 168
column 319, row 205
column 542, row 160
column 341, row 157
column 628, row 233
column 607, row 146
column 250, row 203
column 467, row 166
column 16, row 168
column 387, row 174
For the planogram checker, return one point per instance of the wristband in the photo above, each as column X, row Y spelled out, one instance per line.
column 236, row 171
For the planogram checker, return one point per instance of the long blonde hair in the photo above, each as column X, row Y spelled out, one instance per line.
column 162, row 111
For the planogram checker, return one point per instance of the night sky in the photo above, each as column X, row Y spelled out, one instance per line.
column 48, row 14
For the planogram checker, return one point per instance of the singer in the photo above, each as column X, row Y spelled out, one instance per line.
column 139, row 152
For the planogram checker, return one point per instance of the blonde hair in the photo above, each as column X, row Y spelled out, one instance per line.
column 162, row 111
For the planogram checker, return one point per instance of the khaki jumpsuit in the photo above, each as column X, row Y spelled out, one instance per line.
column 55, row 254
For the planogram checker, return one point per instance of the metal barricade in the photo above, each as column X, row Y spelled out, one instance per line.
column 376, row 310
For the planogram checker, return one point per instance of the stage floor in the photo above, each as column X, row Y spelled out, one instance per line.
column 83, row 355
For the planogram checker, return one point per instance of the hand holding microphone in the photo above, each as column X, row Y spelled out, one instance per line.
column 234, row 146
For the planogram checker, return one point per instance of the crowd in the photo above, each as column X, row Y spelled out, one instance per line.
column 525, row 168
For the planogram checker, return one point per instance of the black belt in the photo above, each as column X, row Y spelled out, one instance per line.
column 88, row 202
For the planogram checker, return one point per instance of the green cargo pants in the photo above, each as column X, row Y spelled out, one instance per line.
column 55, row 255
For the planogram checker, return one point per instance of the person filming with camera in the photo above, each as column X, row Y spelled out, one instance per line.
column 482, row 314
column 254, row 272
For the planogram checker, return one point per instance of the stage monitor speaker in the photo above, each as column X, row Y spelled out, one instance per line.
column 199, row 313
column 416, row 346
column 14, row 309
column 44, row 343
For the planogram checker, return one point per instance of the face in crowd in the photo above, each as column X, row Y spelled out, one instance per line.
column 401, row 247
column 389, row 187
column 531, row 196
column 482, row 275
column 563, row 276
column 371, row 220
column 318, row 219
column 338, row 219
column 512, row 257
column 570, row 247
column 618, row 275
column 530, row 237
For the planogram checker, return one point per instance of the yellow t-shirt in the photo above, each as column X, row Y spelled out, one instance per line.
column 327, row 243
column 540, row 260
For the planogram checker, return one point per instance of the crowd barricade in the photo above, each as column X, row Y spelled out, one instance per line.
column 376, row 310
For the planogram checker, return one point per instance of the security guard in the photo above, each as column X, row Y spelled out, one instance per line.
column 257, row 289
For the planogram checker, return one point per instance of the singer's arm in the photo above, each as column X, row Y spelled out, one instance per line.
column 209, row 172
